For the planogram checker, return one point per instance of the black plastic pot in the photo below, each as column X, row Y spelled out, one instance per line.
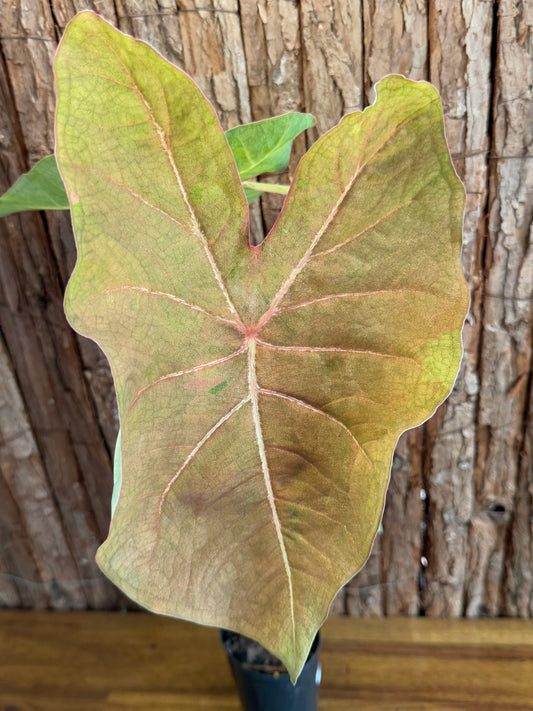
column 262, row 690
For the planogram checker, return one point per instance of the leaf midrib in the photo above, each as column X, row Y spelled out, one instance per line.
column 254, row 391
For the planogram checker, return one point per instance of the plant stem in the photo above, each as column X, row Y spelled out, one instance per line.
column 266, row 187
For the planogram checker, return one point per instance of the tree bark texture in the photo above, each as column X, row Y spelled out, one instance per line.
column 457, row 533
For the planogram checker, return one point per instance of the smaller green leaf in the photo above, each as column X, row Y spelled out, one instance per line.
column 41, row 188
column 265, row 146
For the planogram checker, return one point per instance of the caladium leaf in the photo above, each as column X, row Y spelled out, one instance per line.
column 265, row 146
column 41, row 188
column 261, row 390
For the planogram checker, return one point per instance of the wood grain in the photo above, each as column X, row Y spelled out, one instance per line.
column 505, row 342
column 107, row 662
column 464, row 30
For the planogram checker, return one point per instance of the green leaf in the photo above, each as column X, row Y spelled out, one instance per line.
column 41, row 188
column 265, row 146
column 249, row 506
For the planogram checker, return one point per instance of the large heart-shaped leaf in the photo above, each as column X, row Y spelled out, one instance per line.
column 261, row 390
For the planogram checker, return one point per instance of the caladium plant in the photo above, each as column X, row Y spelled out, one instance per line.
column 261, row 390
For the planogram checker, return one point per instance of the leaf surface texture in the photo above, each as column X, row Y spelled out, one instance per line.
column 261, row 390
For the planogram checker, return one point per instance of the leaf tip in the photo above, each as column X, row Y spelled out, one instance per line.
column 398, row 83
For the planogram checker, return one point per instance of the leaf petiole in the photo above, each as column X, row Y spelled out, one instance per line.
column 266, row 187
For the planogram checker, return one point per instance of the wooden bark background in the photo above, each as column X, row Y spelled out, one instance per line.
column 457, row 531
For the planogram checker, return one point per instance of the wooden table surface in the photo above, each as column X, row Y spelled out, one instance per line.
column 116, row 662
